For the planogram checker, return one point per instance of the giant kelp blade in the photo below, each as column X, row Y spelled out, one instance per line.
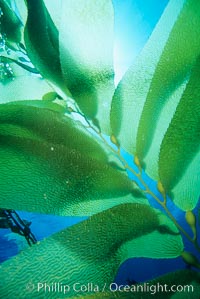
column 86, row 54
column 187, row 282
column 178, row 57
column 19, row 83
column 46, row 104
column 179, row 151
column 10, row 23
column 21, row 10
column 47, row 120
column 186, row 192
column 150, row 161
column 54, row 8
column 165, row 242
column 87, row 252
column 51, row 178
column 23, row 87
column 33, row 186
column 131, row 93
column 41, row 40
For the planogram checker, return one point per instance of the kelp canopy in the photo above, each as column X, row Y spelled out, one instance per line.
column 64, row 127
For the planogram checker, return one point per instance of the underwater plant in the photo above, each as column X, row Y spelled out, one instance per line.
column 66, row 132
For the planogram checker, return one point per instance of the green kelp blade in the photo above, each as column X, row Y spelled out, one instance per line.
column 50, row 178
column 178, row 57
column 17, row 131
column 86, row 54
column 164, row 242
column 150, row 161
column 54, row 8
column 21, row 10
column 175, row 285
column 23, row 87
column 131, row 93
column 186, row 193
column 86, row 252
column 89, row 205
column 180, row 147
column 47, row 105
column 41, row 40
column 10, row 23
column 41, row 118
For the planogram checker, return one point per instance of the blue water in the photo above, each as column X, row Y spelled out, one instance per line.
column 42, row 227
column 134, row 23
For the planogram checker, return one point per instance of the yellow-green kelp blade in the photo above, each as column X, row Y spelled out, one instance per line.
column 186, row 193
column 54, row 8
column 177, row 59
column 51, row 178
column 131, row 93
column 86, row 52
column 41, row 40
column 178, row 285
column 165, row 242
column 179, row 153
column 46, row 119
column 150, row 161
column 86, row 252
column 23, row 87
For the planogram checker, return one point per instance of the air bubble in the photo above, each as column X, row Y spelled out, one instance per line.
column 6, row 71
column 2, row 43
